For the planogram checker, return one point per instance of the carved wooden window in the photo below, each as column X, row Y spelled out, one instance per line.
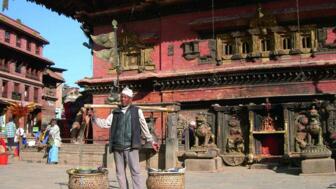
column 277, row 41
column 16, row 95
column 286, row 43
column 265, row 45
column 306, row 41
column 246, row 48
column 137, row 60
column 18, row 66
column 227, row 48
column 36, row 96
column 130, row 60
column 26, row 93
column 4, row 88
column 18, row 41
column 190, row 50
column 37, row 50
column 28, row 46
column 4, row 65
column 7, row 36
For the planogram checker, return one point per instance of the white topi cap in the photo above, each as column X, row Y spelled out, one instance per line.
column 192, row 123
column 127, row 91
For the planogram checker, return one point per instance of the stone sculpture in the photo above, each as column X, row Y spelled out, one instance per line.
column 235, row 141
column 301, row 125
column 203, row 134
column 268, row 124
column 308, row 131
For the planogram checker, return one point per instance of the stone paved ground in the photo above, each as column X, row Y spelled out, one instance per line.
column 20, row 175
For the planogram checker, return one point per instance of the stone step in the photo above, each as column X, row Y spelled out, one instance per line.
column 86, row 146
column 90, row 148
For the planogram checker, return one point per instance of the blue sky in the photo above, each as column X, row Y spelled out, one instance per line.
column 63, row 33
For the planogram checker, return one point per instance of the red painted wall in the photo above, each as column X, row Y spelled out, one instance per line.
column 177, row 29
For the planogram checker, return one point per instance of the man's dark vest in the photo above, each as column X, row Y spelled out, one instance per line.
column 133, row 120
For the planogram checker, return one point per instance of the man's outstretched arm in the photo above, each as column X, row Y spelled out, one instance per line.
column 103, row 123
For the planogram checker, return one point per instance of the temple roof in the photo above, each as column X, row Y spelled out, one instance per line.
column 55, row 69
column 54, row 75
column 92, row 12
column 106, row 10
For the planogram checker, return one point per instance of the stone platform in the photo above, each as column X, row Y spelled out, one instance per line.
column 207, row 165
column 318, row 166
column 88, row 155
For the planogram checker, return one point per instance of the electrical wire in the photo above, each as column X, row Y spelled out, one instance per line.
column 302, row 75
column 213, row 18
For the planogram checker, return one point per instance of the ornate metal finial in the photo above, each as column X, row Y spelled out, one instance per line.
column 111, row 55
column 260, row 14
column 268, row 105
column 262, row 21
column 114, row 24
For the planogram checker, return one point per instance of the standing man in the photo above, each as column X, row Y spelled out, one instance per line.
column 127, row 123
column 10, row 133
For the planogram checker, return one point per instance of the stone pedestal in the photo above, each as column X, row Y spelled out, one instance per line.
column 211, row 165
column 318, row 166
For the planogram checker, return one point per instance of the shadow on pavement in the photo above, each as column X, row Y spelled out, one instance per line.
column 62, row 184
column 113, row 184
column 288, row 170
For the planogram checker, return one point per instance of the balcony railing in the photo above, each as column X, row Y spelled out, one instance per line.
column 16, row 96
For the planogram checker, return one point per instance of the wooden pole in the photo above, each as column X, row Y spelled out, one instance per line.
column 144, row 108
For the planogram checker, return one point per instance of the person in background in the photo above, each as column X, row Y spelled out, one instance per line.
column 191, row 127
column 10, row 133
column 20, row 137
column 126, row 124
column 41, row 136
column 54, row 141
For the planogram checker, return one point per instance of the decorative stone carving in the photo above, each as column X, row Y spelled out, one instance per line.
column 235, row 141
column 314, row 128
column 268, row 124
column 301, row 124
column 309, row 140
column 182, row 124
column 203, row 134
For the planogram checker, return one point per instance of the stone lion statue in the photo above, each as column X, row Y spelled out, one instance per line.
column 314, row 128
column 203, row 132
column 308, row 130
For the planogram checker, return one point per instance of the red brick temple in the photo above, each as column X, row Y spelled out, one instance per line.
column 228, row 59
